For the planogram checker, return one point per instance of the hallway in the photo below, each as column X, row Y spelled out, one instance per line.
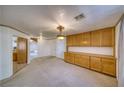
column 54, row 72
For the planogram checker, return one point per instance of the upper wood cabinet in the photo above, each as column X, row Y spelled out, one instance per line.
column 95, row 38
column 68, row 41
column 107, row 37
column 78, row 41
column 99, row 38
column 85, row 39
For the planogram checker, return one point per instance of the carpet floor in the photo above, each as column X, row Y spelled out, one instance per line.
column 54, row 72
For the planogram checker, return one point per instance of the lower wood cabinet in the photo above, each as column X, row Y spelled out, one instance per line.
column 82, row 61
column 106, row 64
column 96, row 64
column 77, row 59
column 109, row 66
column 69, row 57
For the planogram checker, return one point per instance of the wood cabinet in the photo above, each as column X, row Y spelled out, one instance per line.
column 99, row 38
column 107, row 37
column 86, row 39
column 66, row 56
column 100, row 63
column 109, row 66
column 77, row 59
column 96, row 64
column 78, row 38
column 95, row 38
column 69, row 41
column 82, row 61
column 69, row 57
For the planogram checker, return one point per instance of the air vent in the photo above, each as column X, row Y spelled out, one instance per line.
column 79, row 17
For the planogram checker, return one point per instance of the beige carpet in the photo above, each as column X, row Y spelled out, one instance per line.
column 54, row 72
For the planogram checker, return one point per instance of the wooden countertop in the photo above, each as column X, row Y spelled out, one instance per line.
column 95, row 55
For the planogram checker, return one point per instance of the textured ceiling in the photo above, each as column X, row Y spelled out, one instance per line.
column 37, row 19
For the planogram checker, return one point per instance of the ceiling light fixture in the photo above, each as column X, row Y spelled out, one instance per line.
column 60, row 36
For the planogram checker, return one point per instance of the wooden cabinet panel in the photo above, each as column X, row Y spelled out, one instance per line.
column 65, row 56
column 68, row 40
column 107, row 37
column 95, row 38
column 73, row 40
column 77, row 59
column 86, row 39
column 69, row 57
column 100, row 38
column 99, row 63
column 78, row 41
column 82, row 60
column 109, row 66
column 95, row 63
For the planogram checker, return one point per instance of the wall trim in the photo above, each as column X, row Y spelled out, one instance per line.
column 14, row 28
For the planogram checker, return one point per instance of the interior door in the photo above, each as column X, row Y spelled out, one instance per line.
column 21, row 50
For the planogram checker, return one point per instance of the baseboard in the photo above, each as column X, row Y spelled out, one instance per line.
column 5, row 80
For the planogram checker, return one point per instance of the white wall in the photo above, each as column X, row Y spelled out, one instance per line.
column 46, row 47
column 117, row 29
column 7, row 50
column 94, row 50
column 0, row 56
column 60, row 48
column 120, row 64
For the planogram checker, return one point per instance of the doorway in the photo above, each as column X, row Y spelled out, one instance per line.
column 20, row 50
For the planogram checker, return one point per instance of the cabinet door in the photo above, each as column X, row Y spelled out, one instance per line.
column 68, row 40
column 66, row 56
column 95, row 38
column 107, row 37
column 109, row 66
column 77, row 59
column 86, row 39
column 71, row 58
column 78, row 40
column 73, row 38
column 96, row 63
column 84, row 61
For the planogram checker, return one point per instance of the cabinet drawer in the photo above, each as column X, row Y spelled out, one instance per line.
column 96, row 63
column 109, row 66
